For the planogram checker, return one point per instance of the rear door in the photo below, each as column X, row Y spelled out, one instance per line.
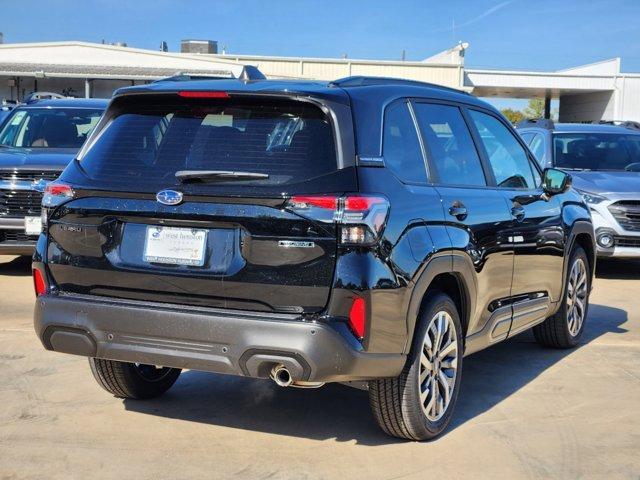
column 185, row 200
column 477, row 217
column 536, row 232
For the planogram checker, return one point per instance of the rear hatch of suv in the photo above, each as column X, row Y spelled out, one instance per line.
column 181, row 197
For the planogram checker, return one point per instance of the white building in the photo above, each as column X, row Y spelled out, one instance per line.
column 592, row 92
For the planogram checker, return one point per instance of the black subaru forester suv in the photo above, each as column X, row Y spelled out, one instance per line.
column 368, row 231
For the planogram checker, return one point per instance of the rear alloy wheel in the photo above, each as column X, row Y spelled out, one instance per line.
column 438, row 366
column 418, row 404
column 565, row 327
column 133, row 380
column 576, row 297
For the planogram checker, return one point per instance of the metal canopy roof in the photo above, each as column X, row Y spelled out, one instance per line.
column 90, row 60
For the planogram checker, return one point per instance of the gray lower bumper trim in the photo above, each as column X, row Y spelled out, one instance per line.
column 210, row 340
column 14, row 248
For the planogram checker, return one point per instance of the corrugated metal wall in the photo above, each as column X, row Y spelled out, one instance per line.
column 331, row 69
column 587, row 107
column 629, row 97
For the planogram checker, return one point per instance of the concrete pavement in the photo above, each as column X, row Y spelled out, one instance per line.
column 523, row 412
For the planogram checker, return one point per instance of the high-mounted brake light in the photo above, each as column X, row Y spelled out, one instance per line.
column 39, row 284
column 202, row 94
column 362, row 217
column 358, row 317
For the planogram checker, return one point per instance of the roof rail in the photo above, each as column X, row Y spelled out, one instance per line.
column 545, row 123
column 248, row 73
column 622, row 123
column 35, row 96
column 366, row 81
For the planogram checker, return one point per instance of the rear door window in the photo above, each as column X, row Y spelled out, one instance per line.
column 152, row 139
column 401, row 147
column 507, row 157
column 537, row 148
column 450, row 147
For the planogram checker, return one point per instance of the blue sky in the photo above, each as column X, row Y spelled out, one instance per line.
column 514, row 34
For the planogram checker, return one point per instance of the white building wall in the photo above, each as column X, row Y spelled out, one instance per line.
column 332, row 68
column 586, row 107
column 628, row 88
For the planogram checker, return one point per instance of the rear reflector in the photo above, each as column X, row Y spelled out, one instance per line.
column 39, row 284
column 208, row 94
column 357, row 317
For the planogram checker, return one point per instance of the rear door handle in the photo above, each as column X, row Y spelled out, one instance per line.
column 518, row 213
column 458, row 210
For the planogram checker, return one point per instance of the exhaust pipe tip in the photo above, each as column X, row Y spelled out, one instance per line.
column 281, row 375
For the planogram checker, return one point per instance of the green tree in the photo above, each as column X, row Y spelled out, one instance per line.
column 514, row 116
column 535, row 109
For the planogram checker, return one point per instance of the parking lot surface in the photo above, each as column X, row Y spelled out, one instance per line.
column 523, row 411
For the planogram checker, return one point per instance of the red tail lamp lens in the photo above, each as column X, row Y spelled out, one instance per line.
column 39, row 284
column 58, row 190
column 357, row 317
column 319, row 201
column 362, row 203
column 209, row 94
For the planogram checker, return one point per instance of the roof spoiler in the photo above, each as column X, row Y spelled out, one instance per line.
column 536, row 122
column 622, row 123
column 248, row 73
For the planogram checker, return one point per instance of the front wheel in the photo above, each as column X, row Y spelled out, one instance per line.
column 565, row 327
column 133, row 380
column 418, row 404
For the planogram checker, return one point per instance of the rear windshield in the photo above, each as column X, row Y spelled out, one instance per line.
column 147, row 143
column 49, row 127
column 597, row 151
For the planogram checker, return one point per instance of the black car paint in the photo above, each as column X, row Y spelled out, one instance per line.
column 422, row 239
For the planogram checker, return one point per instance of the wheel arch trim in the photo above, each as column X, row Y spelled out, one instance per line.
column 451, row 263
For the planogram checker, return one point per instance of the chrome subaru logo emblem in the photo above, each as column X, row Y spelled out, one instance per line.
column 169, row 197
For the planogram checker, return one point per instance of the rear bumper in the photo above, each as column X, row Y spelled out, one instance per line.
column 17, row 248
column 10, row 245
column 215, row 340
column 619, row 252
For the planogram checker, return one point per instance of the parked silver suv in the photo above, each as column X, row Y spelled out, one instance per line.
column 604, row 160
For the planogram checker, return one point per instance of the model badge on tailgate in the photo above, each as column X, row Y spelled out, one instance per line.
column 294, row 244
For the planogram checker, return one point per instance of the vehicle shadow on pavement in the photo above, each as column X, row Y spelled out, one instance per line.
column 16, row 266
column 519, row 361
column 336, row 411
column 618, row 269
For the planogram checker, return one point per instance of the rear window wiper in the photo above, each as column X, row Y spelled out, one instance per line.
column 217, row 175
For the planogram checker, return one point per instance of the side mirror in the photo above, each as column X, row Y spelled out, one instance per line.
column 555, row 181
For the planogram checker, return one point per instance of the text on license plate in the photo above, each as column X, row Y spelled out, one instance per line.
column 175, row 246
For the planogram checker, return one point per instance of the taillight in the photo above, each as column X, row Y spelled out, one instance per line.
column 56, row 193
column 361, row 217
column 39, row 283
column 202, row 94
column 358, row 317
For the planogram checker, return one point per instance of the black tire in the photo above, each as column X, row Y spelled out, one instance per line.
column 395, row 402
column 554, row 331
column 130, row 380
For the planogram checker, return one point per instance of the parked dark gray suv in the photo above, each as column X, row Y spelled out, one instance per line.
column 37, row 141
column 371, row 231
